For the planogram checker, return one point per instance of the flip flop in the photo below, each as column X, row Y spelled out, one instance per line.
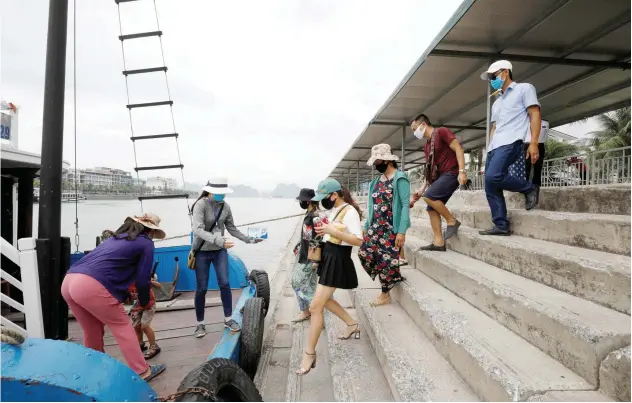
column 154, row 371
column 403, row 262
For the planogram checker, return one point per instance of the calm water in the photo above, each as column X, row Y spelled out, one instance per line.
column 97, row 215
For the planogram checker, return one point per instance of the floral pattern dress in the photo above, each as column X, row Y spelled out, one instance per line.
column 304, row 277
column 378, row 254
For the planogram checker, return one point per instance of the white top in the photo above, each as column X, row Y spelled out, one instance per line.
column 544, row 133
column 351, row 220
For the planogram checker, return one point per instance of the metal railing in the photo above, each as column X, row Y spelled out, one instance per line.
column 25, row 257
column 607, row 167
column 595, row 168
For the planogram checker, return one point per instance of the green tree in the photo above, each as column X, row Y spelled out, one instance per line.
column 558, row 149
column 615, row 130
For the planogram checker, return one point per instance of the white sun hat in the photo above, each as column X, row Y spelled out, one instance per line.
column 494, row 67
column 217, row 186
column 381, row 152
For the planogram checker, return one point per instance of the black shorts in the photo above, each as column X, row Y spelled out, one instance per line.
column 442, row 189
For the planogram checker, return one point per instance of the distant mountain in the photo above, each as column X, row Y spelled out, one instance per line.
column 285, row 191
column 244, row 191
column 238, row 191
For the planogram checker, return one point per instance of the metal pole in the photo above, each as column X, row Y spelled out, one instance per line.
column 52, row 149
column 348, row 178
column 487, row 119
column 358, row 178
column 403, row 147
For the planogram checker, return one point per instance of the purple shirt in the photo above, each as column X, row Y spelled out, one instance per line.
column 117, row 263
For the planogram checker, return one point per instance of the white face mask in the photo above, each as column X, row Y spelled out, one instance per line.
column 419, row 133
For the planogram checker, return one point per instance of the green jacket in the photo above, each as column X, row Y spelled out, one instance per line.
column 401, row 203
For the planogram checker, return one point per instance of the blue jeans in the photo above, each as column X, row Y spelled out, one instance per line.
column 203, row 260
column 497, row 179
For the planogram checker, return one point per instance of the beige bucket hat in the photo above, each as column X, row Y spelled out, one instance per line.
column 152, row 221
column 381, row 152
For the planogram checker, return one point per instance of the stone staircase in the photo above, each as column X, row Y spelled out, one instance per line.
column 543, row 315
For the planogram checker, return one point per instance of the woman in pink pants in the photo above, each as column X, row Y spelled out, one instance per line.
column 96, row 286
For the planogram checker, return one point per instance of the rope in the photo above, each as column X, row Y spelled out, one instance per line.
column 11, row 336
column 129, row 111
column 240, row 225
column 173, row 124
column 206, row 394
column 74, row 100
column 173, row 120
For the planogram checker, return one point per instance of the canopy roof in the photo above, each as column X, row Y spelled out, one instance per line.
column 575, row 52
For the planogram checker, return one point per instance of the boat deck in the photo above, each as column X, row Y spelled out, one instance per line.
column 181, row 352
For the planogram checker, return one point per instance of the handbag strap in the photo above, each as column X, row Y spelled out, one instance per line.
column 430, row 167
column 339, row 212
column 221, row 208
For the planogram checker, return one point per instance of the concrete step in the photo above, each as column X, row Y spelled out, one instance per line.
column 355, row 369
column 317, row 385
column 576, row 332
column 594, row 275
column 614, row 375
column 572, row 396
column 346, row 370
column 415, row 371
column 609, row 199
column 604, row 232
column 497, row 364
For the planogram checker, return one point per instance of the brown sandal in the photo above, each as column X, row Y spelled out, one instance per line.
column 152, row 351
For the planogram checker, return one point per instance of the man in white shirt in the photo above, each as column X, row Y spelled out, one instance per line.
column 515, row 113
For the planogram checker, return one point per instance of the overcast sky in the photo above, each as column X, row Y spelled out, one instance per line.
column 265, row 91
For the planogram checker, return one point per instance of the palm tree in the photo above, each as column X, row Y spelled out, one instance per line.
column 558, row 149
column 615, row 132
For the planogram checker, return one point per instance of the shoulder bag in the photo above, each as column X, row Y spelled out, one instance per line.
column 193, row 252
column 432, row 173
column 315, row 250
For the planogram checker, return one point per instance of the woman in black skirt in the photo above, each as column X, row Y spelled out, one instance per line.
column 336, row 269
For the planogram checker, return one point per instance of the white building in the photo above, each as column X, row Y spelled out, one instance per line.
column 159, row 183
column 102, row 177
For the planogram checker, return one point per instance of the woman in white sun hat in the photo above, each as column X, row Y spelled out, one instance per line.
column 211, row 217
column 389, row 218
column 96, row 286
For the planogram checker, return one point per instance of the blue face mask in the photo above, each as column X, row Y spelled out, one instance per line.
column 497, row 83
column 218, row 198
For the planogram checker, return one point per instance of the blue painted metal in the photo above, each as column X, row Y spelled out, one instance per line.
column 51, row 370
column 238, row 273
column 228, row 345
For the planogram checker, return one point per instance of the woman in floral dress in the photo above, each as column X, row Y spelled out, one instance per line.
column 389, row 218
column 304, row 277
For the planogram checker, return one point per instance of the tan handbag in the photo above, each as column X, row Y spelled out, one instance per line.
column 338, row 219
column 314, row 252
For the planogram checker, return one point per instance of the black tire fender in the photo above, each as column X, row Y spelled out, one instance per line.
column 251, row 340
column 262, row 284
column 222, row 377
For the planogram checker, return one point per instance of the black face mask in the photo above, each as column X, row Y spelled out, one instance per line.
column 382, row 167
column 304, row 205
column 327, row 203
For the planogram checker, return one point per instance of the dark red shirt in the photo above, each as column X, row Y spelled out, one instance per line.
column 444, row 157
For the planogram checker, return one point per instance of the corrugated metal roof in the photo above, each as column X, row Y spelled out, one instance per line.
column 575, row 52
